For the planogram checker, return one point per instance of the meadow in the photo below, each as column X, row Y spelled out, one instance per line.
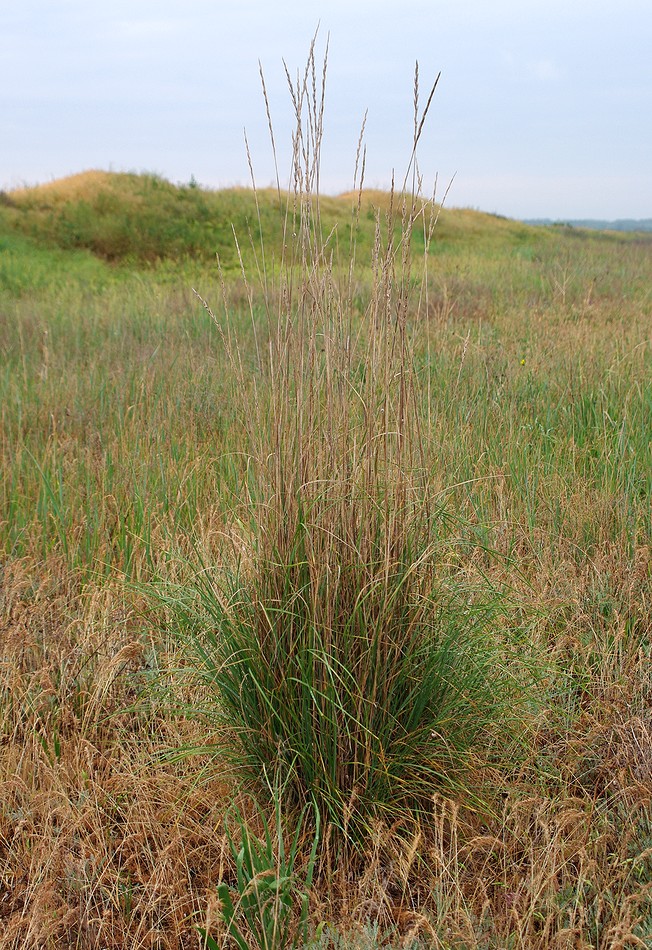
column 325, row 589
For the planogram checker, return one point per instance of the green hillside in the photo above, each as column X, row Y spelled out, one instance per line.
column 143, row 218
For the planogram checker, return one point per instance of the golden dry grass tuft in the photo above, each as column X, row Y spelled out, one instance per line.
column 82, row 186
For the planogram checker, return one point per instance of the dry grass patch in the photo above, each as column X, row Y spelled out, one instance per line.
column 83, row 186
column 102, row 843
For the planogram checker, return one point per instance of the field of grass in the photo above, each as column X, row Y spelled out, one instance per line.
column 207, row 516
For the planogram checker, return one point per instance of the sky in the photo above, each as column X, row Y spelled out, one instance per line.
column 544, row 107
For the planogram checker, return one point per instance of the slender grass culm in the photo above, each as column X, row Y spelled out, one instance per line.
column 336, row 651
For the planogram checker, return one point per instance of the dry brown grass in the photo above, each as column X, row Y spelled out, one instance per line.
column 102, row 844
column 83, row 186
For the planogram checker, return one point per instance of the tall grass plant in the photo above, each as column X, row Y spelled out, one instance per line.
column 339, row 652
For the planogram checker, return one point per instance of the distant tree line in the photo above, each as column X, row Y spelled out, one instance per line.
column 623, row 224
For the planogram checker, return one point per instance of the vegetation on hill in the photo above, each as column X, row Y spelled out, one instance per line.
column 144, row 219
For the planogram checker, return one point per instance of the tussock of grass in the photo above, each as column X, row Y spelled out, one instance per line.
column 342, row 656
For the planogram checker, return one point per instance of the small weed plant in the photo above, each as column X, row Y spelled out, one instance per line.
column 270, row 909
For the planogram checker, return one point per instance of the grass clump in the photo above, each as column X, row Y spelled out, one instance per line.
column 339, row 653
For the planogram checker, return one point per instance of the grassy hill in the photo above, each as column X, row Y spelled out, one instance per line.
column 143, row 218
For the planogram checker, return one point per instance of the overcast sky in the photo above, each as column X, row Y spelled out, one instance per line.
column 544, row 108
